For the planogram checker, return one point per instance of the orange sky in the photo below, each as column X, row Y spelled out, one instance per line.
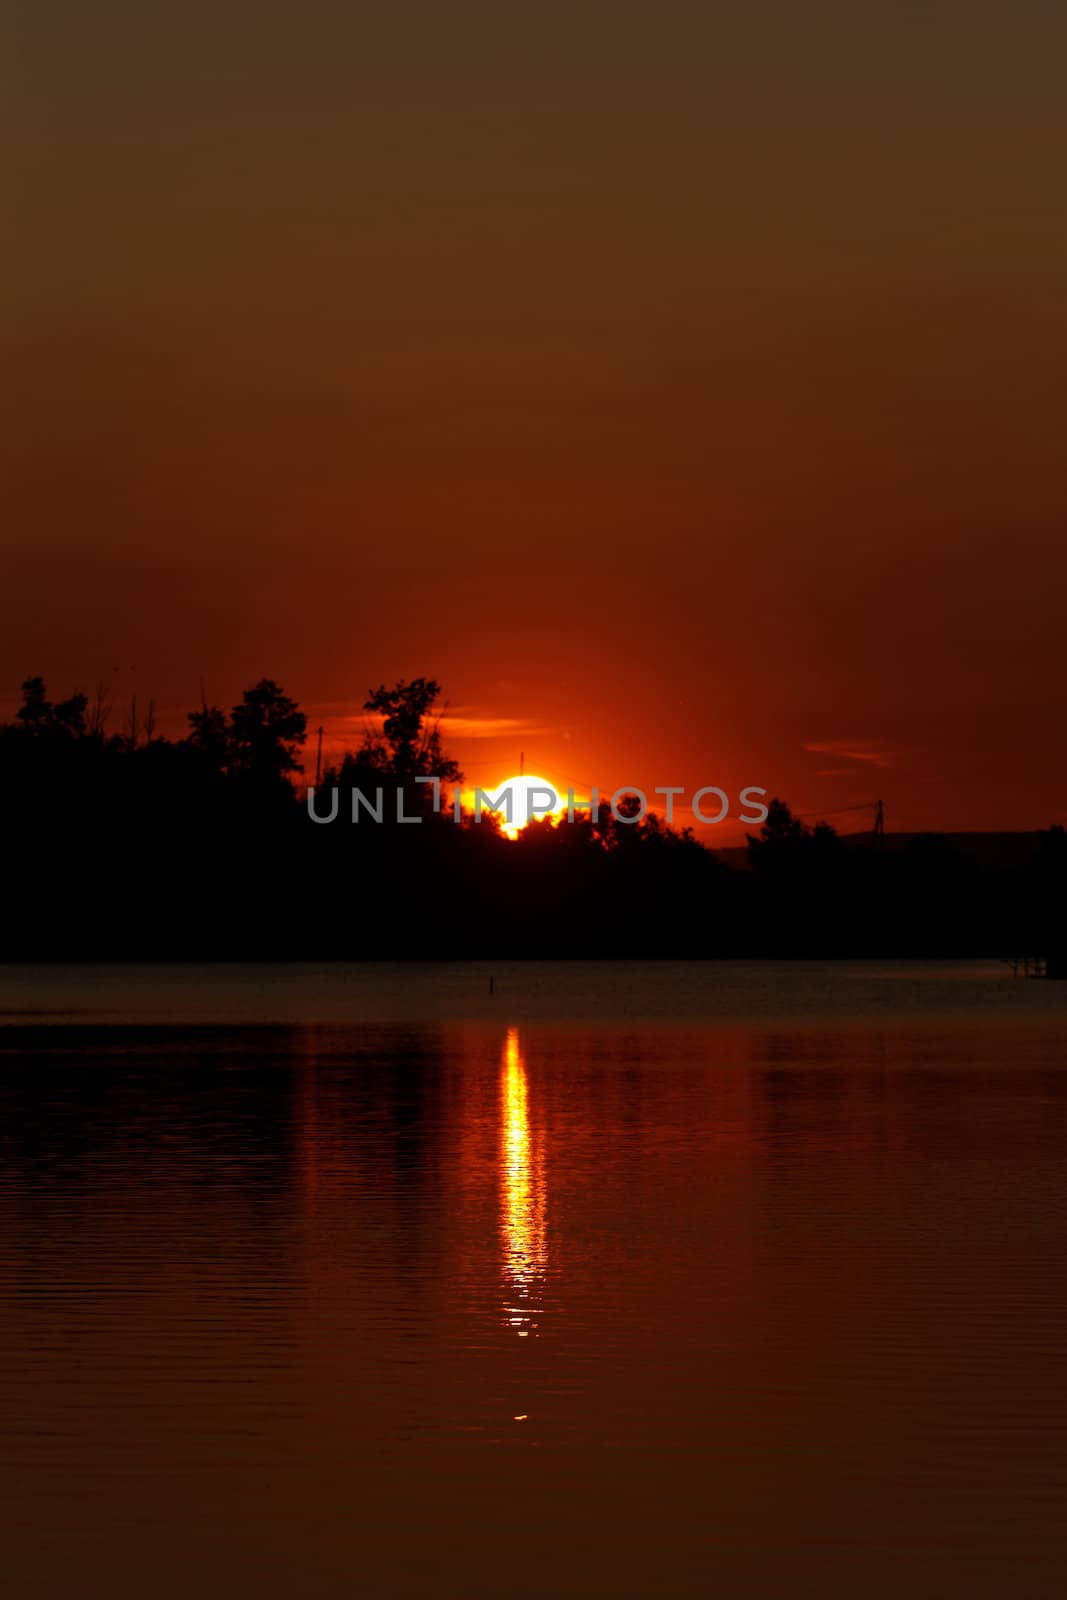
column 684, row 390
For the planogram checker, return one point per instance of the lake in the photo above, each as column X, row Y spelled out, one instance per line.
column 621, row 1280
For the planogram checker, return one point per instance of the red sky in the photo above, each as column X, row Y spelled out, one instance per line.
column 684, row 390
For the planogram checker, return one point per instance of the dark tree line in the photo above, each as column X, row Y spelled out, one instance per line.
column 127, row 845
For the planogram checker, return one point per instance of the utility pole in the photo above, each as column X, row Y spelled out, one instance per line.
column 318, row 758
column 879, row 824
column 522, row 762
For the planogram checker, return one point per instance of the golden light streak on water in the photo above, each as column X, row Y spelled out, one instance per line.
column 523, row 1195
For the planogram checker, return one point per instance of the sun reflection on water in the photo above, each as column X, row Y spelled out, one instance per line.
column 523, row 1192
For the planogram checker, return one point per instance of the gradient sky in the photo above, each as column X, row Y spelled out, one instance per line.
column 683, row 385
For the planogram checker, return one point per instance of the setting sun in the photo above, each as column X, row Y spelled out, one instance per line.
column 530, row 797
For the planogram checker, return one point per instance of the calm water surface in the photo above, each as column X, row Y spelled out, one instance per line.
column 644, row 1280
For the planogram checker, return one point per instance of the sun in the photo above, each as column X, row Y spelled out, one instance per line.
column 531, row 797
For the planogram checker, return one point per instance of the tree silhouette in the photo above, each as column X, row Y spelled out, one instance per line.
column 267, row 730
column 410, row 745
column 209, row 734
column 39, row 716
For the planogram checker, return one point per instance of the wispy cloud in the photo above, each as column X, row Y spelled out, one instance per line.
column 871, row 752
column 465, row 725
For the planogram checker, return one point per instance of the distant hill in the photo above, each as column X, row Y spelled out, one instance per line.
column 995, row 851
